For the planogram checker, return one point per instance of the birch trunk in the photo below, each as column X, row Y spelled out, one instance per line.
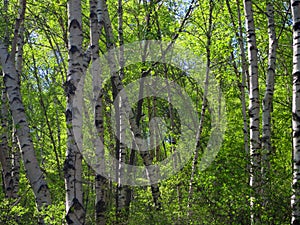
column 16, row 152
column 122, row 210
column 16, row 157
column 12, row 85
column 101, row 183
column 242, row 85
column 75, row 213
column 254, row 107
column 203, row 107
column 34, row 172
column 10, row 155
column 295, row 200
column 4, row 148
column 116, row 81
column 5, row 153
column 268, row 105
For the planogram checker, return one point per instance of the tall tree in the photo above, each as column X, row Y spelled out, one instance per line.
column 245, row 73
column 121, row 190
column 295, row 201
column 75, row 212
column 11, row 80
column 118, row 86
column 208, row 33
column 268, row 104
column 101, row 183
column 254, row 111
column 5, row 150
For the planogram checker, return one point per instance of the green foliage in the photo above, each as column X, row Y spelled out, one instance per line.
column 222, row 192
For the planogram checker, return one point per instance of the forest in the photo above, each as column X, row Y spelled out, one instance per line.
column 150, row 112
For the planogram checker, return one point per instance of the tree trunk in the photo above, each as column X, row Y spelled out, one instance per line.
column 254, row 107
column 12, row 84
column 34, row 172
column 122, row 210
column 101, row 183
column 242, row 85
column 268, row 106
column 75, row 213
column 16, row 157
column 116, row 81
column 5, row 153
column 203, row 107
column 295, row 200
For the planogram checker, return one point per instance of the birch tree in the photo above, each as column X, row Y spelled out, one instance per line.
column 268, row 104
column 209, row 30
column 117, row 82
column 101, row 183
column 75, row 212
column 254, row 108
column 122, row 208
column 11, row 81
column 245, row 73
column 5, row 151
column 295, row 200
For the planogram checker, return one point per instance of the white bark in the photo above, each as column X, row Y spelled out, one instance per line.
column 268, row 104
column 16, row 157
column 34, row 172
column 5, row 153
column 121, row 209
column 295, row 200
column 101, row 183
column 10, row 155
column 204, row 105
column 116, row 81
column 75, row 213
column 254, row 107
column 242, row 85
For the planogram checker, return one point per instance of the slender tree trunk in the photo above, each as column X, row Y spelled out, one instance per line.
column 16, row 158
column 116, row 81
column 101, row 187
column 268, row 106
column 204, row 105
column 254, row 108
column 44, row 109
column 10, row 155
column 12, row 84
column 101, row 183
column 34, row 172
column 5, row 153
column 295, row 200
column 16, row 151
column 243, row 84
column 75, row 212
column 122, row 210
